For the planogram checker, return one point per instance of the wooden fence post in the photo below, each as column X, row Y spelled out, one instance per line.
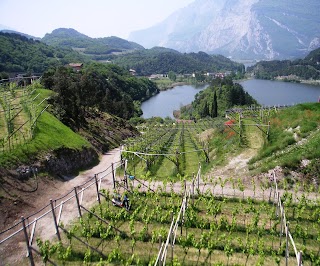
column 113, row 178
column 300, row 258
column 192, row 191
column 287, row 244
column 160, row 248
column 27, row 242
column 171, row 240
column 198, row 178
column 55, row 220
column 97, row 188
column 281, row 224
column 77, row 199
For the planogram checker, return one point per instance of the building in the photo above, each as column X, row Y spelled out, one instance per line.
column 76, row 66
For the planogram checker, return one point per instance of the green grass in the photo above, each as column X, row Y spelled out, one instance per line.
column 49, row 134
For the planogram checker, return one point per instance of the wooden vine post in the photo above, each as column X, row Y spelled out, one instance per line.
column 78, row 203
column 29, row 249
column 97, row 189
column 55, row 220
column 113, row 177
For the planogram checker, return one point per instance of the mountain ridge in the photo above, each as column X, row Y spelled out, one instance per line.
column 253, row 29
column 69, row 37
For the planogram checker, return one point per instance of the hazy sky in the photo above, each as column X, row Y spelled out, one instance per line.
column 95, row 18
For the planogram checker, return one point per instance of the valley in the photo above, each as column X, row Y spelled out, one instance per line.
column 102, row 164
column 224, row 201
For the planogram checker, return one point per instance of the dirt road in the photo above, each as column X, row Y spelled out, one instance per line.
column 14, row 249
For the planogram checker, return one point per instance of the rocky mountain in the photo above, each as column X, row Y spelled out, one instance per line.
column 241, row 29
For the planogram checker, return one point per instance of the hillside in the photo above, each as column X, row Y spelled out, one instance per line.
column 21, row 54
column 32, row 135
column 254, row 29
column 224, row 191
column 163, row 60
column 227, row 207
column 96, row 48
column 296, row 70
column 20, row 33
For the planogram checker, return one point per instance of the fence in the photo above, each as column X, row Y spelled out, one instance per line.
column 35, row 224
column 284, row 226
column 172, row 234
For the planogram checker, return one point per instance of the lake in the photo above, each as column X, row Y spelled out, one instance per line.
column 269, row 92
column 266, row 92
column 164, row 103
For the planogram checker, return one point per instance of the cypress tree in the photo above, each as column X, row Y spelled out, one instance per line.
column 214, row 110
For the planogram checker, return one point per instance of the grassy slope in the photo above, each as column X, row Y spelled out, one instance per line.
column 50, row 134
column 294, row 136
column 102, row 131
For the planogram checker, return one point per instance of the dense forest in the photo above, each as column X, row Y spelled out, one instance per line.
column 97, row 88
column 307, row 68
column 21, row 54
column 163, row 60
column 221, row 95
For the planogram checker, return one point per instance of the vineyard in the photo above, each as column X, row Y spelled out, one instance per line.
column 167, row 149
column 19, row 110
column 186, row 223
column 179, row 216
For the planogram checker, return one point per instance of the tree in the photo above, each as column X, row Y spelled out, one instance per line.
column 214, row 109
column 172, row 76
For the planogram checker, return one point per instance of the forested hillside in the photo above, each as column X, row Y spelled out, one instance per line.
column 221, row 95
column 107, row 88
column 163, row 60
column 95, row 103
column 97, row 48
column 307, row 68
column 21, row 54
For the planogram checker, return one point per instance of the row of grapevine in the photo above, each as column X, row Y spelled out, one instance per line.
column 18, row 115
column 215, row 230
column 167, row 150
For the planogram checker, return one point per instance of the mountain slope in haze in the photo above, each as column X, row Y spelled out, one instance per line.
column 254, row 29
column 21, row 33
column 92, row 46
